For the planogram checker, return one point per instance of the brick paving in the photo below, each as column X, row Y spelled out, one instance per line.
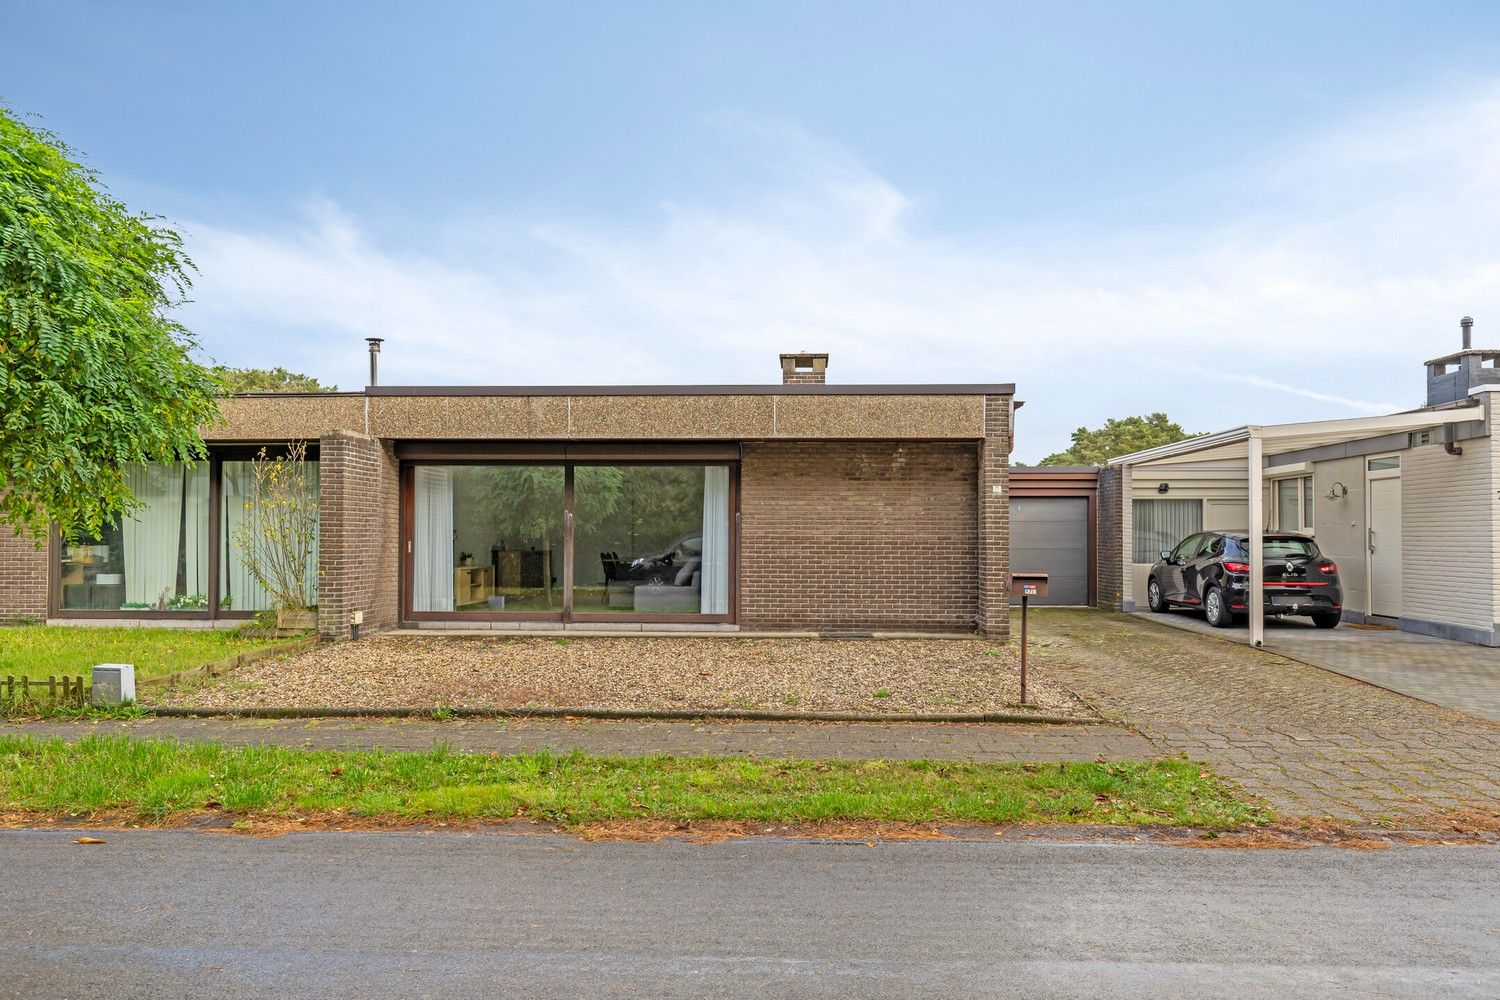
column 1456, row 675
column 1306, row 741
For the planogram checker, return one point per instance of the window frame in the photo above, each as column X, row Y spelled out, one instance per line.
column 217, row 456
column 569, row 458
column 1306, row 500
column 1135, row 523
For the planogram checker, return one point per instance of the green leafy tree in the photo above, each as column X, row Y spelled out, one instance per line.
column 1118, row 437
column 268, row 380
column 93, row 373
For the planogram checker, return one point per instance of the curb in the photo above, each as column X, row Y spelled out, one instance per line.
column 219, row 668
column 671, row 714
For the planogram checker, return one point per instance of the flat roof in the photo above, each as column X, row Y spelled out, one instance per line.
column 777, row 389
column 887, row 389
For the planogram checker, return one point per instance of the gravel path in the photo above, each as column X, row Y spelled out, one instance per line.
column 812, row 675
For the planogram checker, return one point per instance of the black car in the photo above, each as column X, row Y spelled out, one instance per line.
column 1211, row 570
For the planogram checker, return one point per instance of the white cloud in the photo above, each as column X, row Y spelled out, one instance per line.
column 1345, row 264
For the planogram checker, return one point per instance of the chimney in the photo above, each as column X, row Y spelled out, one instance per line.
column 804, row 369
column 1452, row 377
column 374, row 343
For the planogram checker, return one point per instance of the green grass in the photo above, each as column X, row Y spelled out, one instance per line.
column 154, row 780
column 38, row 651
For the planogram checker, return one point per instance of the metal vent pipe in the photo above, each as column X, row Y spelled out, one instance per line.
column 375, row 343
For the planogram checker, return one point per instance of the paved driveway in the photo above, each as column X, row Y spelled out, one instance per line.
column 1306, row 740
column 1456, row 675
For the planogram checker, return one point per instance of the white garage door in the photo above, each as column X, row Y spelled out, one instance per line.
column 1051, row 535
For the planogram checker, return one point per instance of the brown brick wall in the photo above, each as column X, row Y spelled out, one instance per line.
column 994, row 518
column 23, row 578
column 358, row 555
column 1111, row 543
column 859, row 535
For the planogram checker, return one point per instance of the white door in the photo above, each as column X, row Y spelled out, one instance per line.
column 1385, row 547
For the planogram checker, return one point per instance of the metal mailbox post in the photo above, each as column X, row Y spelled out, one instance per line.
column 1026, row 586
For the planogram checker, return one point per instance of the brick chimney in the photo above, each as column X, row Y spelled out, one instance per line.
column 804, row 369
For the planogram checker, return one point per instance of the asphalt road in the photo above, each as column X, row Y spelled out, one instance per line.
column 171, row 914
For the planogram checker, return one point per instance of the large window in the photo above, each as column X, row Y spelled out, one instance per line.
column 1158, row 525
column 645, row 540
column 238, row 588
column 161, row 559
column 154, row 560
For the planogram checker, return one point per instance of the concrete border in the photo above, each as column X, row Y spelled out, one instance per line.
column 219, row 668
column 672, row 714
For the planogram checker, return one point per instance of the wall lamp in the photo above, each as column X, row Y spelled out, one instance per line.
column 1337, row 491
column 1162, row 487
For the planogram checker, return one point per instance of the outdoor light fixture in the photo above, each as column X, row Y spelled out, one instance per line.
column 1162, row 487
column 1337, row 491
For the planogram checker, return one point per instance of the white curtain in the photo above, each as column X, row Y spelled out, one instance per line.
column 1161, row 524
column 236, row 585
column 714, row 583
column 171, row 527
column 432, row 539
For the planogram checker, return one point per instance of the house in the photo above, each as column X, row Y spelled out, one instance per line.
column 800, row 505
column 1407, row 504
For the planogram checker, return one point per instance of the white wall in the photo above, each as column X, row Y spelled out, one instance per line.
column 1447, row 536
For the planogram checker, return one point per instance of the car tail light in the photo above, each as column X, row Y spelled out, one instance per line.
column 1236, row 567
column 1328, row 568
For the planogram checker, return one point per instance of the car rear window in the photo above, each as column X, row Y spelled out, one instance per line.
column 1274, row 548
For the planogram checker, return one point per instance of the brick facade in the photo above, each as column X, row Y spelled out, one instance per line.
column 994, row 518
column 23, row 578
column 358, row 555
column 859, row 535
column 1111, row 541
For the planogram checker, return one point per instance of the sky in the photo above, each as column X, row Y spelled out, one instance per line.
column 1252, row 215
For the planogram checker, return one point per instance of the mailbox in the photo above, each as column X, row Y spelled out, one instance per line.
column 1028, row 585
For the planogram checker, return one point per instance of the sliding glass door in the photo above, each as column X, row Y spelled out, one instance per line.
column 569, row 541
column 651, row 539
column 487, row 538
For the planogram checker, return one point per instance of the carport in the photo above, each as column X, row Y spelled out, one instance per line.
column 1241, row 454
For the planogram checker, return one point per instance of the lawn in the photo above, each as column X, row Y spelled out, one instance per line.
column 155, row 780
column 40, row 651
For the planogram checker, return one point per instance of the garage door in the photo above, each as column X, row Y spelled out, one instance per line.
column 1051, row 535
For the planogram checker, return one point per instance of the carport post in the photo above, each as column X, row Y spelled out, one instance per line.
column 1256, row 598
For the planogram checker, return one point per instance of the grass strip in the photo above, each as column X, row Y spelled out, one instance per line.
column 154, row 780
column 40, row 651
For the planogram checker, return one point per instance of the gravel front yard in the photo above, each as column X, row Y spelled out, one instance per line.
column 887, row 676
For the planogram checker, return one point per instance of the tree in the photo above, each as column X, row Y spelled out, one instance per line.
column 94, row 375
column 268, row 380
column 1118, row 437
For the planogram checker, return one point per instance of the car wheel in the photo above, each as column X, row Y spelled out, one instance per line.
column 655, row 580
column 1328, row 621
column 1154, row 599
column 1216, row 609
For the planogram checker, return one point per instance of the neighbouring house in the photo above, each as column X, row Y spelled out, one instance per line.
column 1407, row 504
column 800, row 505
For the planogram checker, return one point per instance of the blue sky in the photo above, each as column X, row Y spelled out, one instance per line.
column 1262, row 215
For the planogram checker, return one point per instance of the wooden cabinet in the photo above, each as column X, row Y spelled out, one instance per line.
column 472, row 584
